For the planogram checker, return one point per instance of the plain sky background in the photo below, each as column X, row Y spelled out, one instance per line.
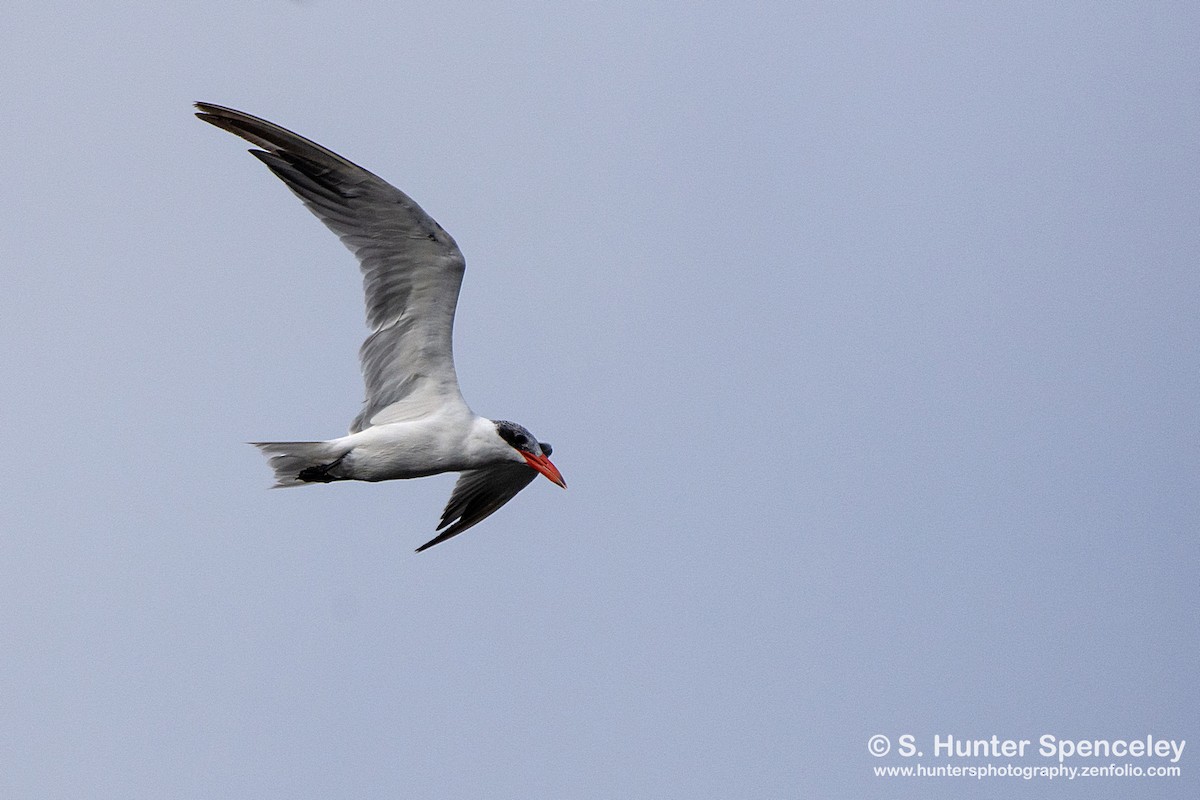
column 866, row 336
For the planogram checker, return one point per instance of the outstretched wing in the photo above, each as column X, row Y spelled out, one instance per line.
column 478, row 493
column 412, row 269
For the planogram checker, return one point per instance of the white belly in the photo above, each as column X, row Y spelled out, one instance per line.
column 413, row 449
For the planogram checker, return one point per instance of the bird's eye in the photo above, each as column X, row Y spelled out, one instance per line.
column 520, row 440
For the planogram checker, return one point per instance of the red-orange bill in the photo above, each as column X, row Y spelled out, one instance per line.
column 543, row 465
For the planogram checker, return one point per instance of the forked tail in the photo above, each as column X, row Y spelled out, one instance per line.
column 298, row 463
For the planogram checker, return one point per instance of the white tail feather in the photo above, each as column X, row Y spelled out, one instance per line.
column 289, row 459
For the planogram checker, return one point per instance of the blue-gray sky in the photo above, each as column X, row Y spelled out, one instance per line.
column 865, row 334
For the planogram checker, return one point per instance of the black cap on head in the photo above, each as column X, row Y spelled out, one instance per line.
column 519, row 437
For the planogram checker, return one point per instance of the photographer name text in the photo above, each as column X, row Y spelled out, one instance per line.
column 1048, row 746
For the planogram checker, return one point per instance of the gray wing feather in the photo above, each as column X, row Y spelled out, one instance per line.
column 412, row 269
column 478, row 494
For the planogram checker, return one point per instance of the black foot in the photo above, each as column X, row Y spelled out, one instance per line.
column 320, row 474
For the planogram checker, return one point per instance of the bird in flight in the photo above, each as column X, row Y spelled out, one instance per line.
column 414, row 421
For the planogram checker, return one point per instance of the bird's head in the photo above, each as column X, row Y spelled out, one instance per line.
column 528, row 449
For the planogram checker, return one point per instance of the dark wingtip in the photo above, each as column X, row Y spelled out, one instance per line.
column 207, row 111
column 208, row 107
column 441, row 537
column 212, row 115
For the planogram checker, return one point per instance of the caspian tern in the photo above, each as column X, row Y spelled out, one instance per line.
column 414, row 421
